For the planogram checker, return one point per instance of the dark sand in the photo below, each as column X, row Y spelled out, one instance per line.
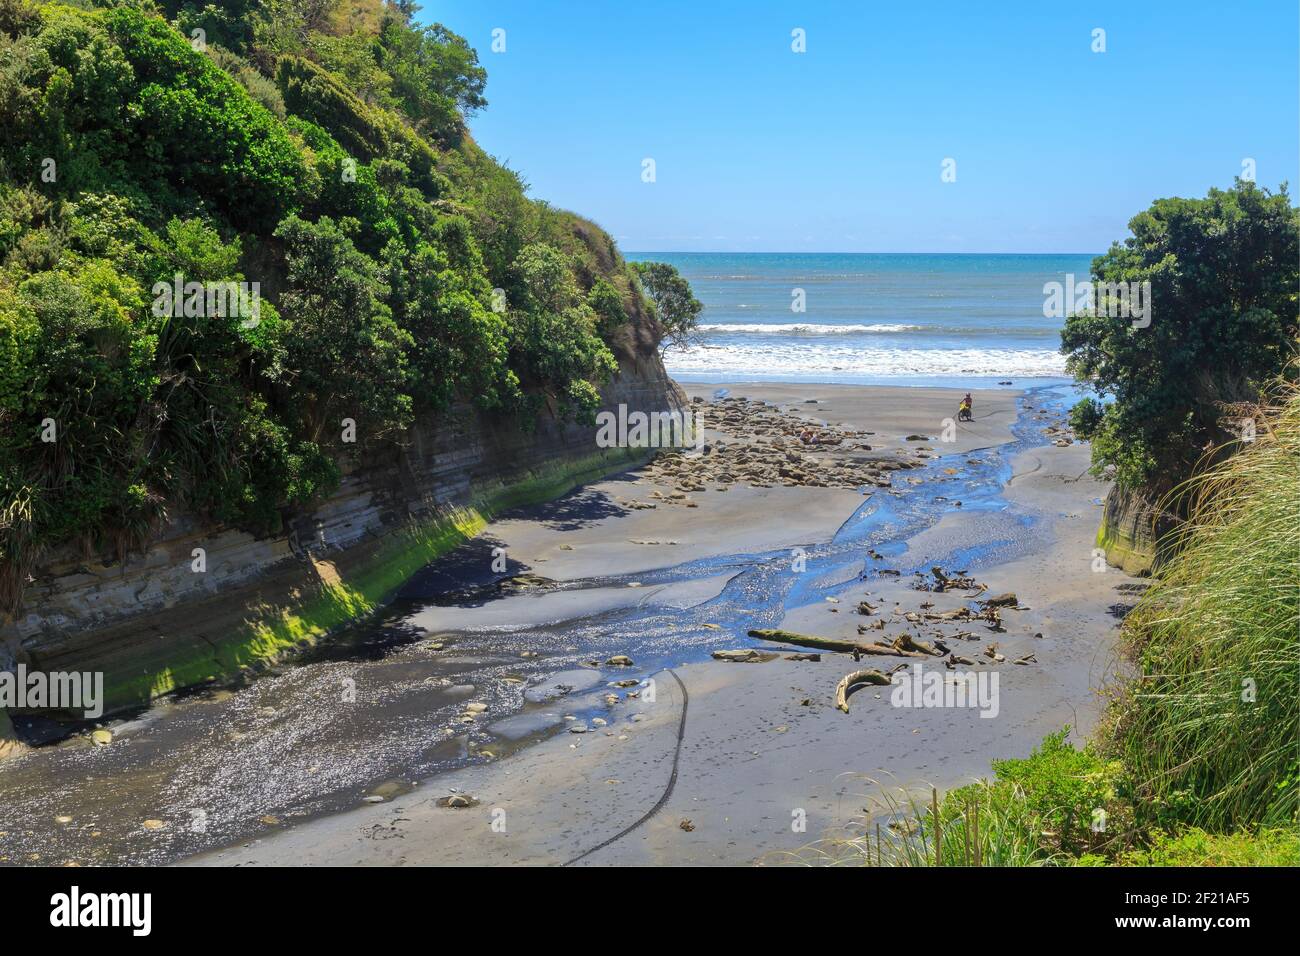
column 755, row 760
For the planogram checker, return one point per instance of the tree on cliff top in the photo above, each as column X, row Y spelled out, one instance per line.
column 1221, row 323
column 676, row 307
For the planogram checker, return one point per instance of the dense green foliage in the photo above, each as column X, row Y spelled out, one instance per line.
column 1223, row 274
column 1086, row 417
column 313, row 147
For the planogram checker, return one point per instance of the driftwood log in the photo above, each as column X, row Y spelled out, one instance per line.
column 833, row 644
column 857, row 677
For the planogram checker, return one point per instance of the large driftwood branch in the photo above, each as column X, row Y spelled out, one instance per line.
column 833, row 644
column 857, row 677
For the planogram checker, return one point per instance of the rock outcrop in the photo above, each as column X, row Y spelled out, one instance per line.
column 1131, row 528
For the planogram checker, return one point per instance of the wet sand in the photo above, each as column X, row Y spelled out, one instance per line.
column 760, row 764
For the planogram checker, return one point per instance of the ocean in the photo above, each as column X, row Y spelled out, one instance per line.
column 875, row 319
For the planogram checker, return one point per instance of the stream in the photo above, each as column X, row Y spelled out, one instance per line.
column 376, row 710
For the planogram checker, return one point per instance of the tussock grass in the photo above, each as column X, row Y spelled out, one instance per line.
column 1209, row 731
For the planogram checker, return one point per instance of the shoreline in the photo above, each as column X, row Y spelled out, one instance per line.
column 749, row 741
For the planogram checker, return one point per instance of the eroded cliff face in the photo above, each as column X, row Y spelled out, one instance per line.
column 1132, row 531
column 154, row 623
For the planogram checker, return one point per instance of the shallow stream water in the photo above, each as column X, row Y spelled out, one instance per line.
column 376, row 710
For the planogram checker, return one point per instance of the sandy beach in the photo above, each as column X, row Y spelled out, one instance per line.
column 721, row 762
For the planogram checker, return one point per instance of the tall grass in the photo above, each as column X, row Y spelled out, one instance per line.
column 982, row 824
column 1209, row 731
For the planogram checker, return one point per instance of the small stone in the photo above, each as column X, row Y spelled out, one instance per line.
column 153, row 824
column 619, row 660
column 101, row 738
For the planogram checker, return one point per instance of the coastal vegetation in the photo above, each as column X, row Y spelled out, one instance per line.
column 315, row 153
column 1223, row 274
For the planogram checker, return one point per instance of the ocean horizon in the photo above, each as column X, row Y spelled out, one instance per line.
column 949, row 319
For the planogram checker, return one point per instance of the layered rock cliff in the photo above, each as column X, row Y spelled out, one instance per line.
column 155, row 622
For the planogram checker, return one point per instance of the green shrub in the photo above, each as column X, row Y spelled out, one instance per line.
column 1072, row 795
column 1195, row 847
column 607, row 303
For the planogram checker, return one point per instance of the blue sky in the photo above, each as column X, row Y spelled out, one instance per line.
column 758, row 148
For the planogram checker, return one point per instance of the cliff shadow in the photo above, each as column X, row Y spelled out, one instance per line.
column 579, row 509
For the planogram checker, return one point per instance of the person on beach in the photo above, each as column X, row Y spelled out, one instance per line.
column 964, row 410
